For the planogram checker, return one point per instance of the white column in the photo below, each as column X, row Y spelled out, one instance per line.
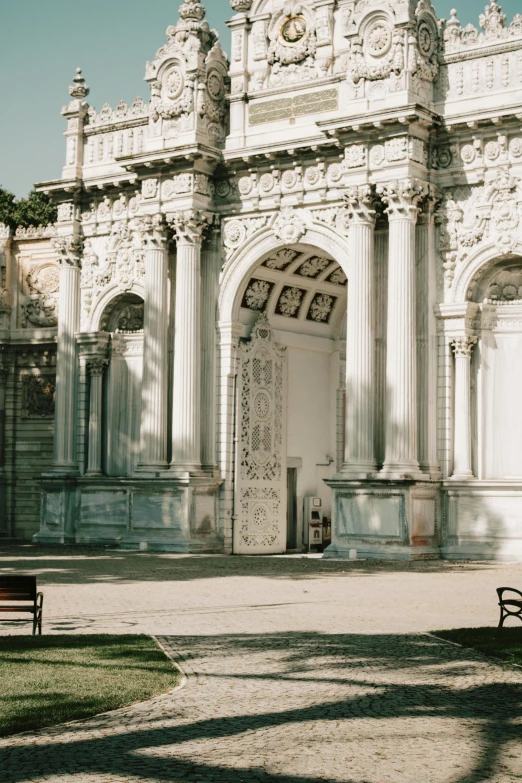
column 69, row 249
column 462, row 468
column 210, row 268
column 401, row 454
column 96, row 369
column 360, row 336
column 153, row 431
column 186, row 416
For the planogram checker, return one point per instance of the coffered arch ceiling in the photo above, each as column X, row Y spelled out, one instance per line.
column 300, row 288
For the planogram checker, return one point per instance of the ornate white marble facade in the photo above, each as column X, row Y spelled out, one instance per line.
column 294, row 273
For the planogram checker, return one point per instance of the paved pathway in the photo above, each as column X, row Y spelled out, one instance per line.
column 291, row 677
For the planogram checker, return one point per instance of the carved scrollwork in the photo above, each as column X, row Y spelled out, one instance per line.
column 290, row 225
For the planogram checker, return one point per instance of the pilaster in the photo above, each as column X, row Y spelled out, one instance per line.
column 96, row 368
column 69, row 249
column 153, row 431
column 210, row 269
column 462, row 465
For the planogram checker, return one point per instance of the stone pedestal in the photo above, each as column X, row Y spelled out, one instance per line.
column 164, row 515
column 385, row 520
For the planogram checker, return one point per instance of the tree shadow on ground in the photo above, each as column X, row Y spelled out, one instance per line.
column 487, row 708
column 88, row 565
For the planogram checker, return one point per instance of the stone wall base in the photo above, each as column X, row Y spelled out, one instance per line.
column 385, row 520
column 167, row 515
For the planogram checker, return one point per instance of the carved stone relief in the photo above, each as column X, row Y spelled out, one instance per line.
column 38, row 396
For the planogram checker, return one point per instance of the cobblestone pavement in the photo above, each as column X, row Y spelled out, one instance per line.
column 298, row 671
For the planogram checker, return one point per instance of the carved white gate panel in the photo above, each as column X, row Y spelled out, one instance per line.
column 261, row 487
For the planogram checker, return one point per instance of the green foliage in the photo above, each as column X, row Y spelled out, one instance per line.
column 35, row 210
column 46, row 680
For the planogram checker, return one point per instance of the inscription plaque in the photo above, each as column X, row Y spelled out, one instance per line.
column 296, row 106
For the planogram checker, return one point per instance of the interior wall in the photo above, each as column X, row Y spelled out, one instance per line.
column 501, row 381
column 123, row 414
column 309, row 421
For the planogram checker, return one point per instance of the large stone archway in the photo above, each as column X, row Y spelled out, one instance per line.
column 299, row 290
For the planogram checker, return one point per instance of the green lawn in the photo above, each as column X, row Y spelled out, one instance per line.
column 504, row 643
column 51, row 679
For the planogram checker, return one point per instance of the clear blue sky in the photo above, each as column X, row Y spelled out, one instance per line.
column 43, row 43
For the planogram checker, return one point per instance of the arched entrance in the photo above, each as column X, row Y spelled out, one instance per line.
column 287, row 407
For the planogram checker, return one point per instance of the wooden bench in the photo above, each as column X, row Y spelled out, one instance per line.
column 19, row 594
column 511, row 601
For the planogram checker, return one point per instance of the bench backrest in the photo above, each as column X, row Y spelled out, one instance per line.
column 17, row 588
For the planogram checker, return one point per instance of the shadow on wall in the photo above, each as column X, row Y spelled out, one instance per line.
column 360, row 681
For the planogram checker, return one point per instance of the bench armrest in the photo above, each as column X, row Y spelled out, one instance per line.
column 39, row 600
column 502, row 590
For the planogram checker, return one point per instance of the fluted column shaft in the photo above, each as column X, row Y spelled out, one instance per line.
column 360, row 338
column 65, row 460
column 96, row 369
column 401, row 454
column 186, row 417
column 462, row 467
column 153, row 431
column 210, row 267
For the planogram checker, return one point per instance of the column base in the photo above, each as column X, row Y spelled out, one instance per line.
column 190, row 470
column 400, row 471
column 358, row 470
column 463, row 476
column 151, row 469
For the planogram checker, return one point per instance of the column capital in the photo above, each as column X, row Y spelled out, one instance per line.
column 189, row 226
column 97, row 366
column 69, row 250
column 152, row 232
column 360, row 201
column 463, row 346
column 403, row 198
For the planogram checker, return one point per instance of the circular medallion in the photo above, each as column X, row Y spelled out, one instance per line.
column 467, row 153
column 515, row 148
column 215, row 85
column 312, row 175
column 335, row 172
column 289, row 178
column 262, row 405
column 234, row 233
column 293, row 30
column 174, row 83
column 377, row 154
column 245, row 185
column 222, row 188
column 45, row 280
column 261, row 517
column 379, row 39
column 444, row 158
column 426, row 40
column 492, row 150
column 266, row 183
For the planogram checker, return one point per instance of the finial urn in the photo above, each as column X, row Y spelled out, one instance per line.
column 79, row 89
